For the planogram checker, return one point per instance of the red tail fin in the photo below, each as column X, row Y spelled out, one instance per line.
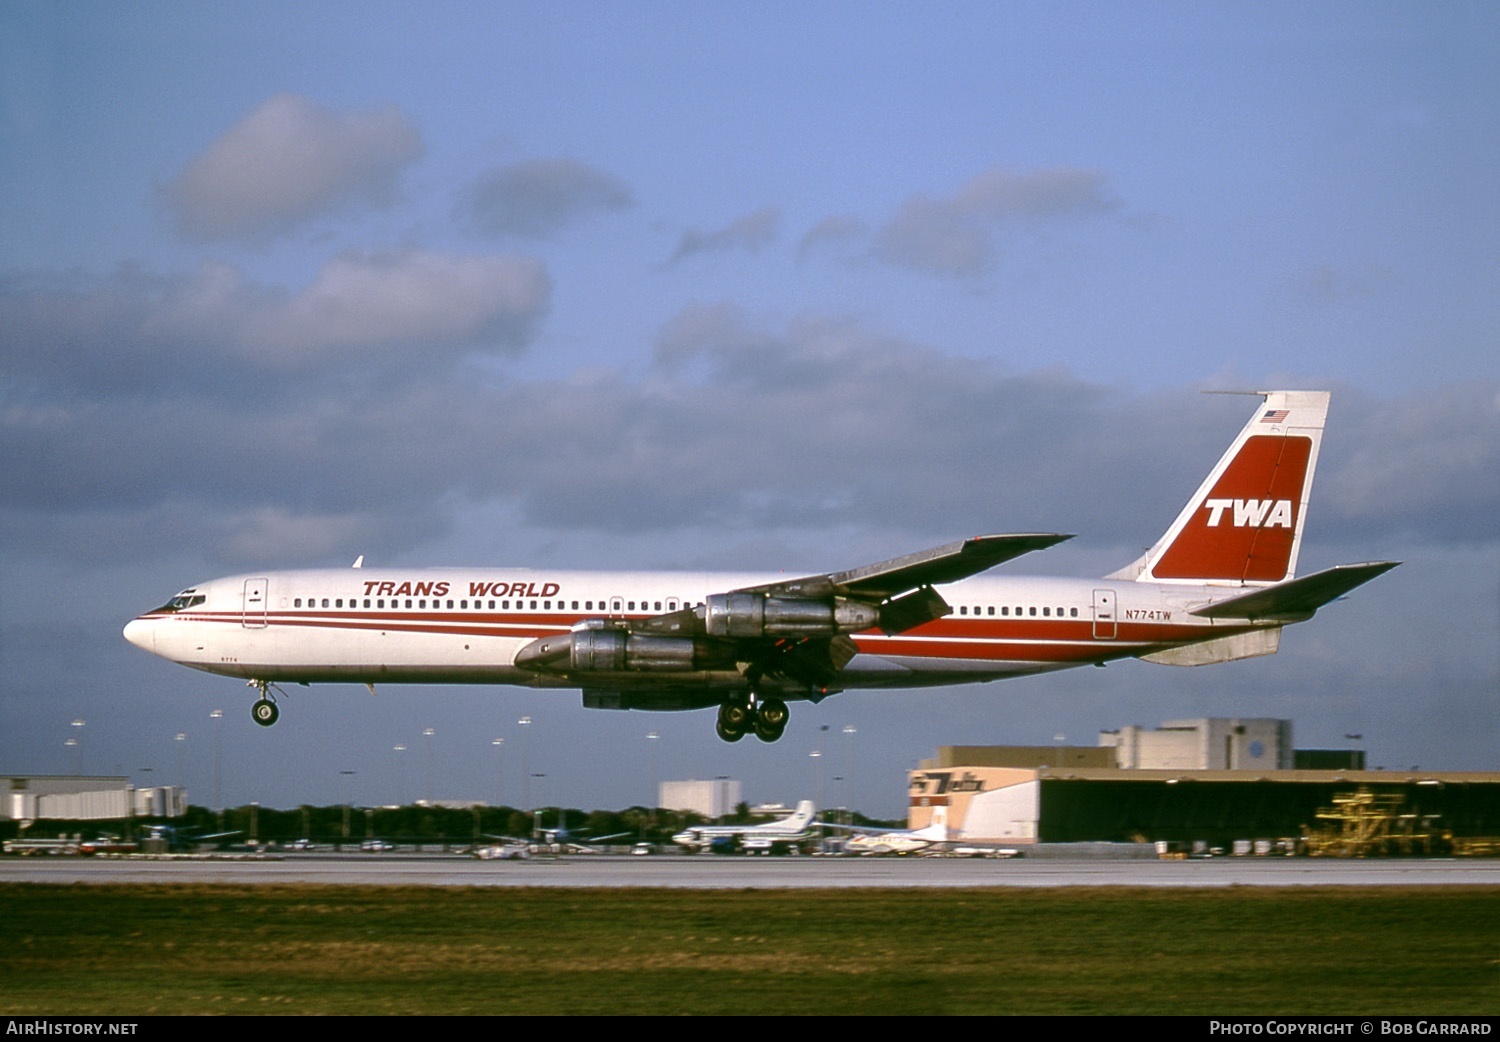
column 1244, row 524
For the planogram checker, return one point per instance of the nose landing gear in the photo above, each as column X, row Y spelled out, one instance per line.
column 265, row 711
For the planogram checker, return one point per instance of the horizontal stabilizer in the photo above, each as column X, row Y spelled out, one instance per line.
column 1298, row 598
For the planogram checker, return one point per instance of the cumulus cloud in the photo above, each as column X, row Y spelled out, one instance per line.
column 537, row 197
column 410, row 298
column 289, row 160
column 750, row 233
column 1426, row 465
column 215, row 329
column 957, row 235
column 832, row 232
column 743, row 425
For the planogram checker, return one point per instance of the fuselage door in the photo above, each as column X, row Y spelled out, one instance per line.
column 1106, row 624
column 255, row 604
column 617, row 607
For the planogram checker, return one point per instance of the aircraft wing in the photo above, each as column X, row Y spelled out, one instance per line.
column 899, row 589
column 942, row 564
column 1297, row 598
column 794, row 630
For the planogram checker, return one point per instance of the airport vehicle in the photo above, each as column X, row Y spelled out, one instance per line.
column 27, row 847
column 1219, row 585
column 773, row 837
column 504, row 850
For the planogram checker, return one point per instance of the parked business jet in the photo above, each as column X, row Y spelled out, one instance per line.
column 868, row 841
column 1218, row 586
column 935, row 839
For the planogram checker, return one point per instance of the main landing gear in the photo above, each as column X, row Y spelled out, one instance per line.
column 265, row 711
column 766, row 718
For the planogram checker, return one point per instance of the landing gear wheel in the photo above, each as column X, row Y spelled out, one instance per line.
column 734, row 721
column 770, row 720
column 773, row 711
column 265, row 712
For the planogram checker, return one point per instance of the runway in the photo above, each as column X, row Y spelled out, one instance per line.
column 706, row 872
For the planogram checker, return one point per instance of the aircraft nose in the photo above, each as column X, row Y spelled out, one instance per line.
column 142, row 634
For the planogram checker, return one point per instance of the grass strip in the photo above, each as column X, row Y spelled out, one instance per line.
column 174, row 949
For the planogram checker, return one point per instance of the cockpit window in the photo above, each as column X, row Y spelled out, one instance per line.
column 183, row 601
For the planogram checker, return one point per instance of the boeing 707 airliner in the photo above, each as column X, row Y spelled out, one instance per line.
column 1218, row 586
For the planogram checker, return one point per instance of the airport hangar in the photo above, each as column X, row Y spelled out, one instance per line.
column 1201, row 784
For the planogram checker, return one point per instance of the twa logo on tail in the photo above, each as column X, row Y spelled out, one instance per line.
column 1251, row 513
column 1244, row 524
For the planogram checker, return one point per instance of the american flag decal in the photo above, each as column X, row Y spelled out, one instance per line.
column 1275, row 415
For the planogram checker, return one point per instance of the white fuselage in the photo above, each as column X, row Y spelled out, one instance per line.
column 465, row 625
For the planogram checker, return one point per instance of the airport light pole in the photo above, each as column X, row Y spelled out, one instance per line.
column 818, row 765
column 348, row 779
column 398, row 749
column 536, row 815
column 652, row 737
column 849, row 732
column 217, row 716
column 77, row 744
column 428, row 733
column 498, row 744
column 179, row 738
column 525, row 724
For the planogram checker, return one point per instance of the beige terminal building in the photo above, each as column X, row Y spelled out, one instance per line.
column 1207, row 781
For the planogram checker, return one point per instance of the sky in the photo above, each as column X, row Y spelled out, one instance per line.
column 780, row 286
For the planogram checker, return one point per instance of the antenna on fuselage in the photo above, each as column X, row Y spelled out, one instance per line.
column 359, row 562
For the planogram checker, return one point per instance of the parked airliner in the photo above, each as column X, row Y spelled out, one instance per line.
column 1218, row 586
column 774, row 837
